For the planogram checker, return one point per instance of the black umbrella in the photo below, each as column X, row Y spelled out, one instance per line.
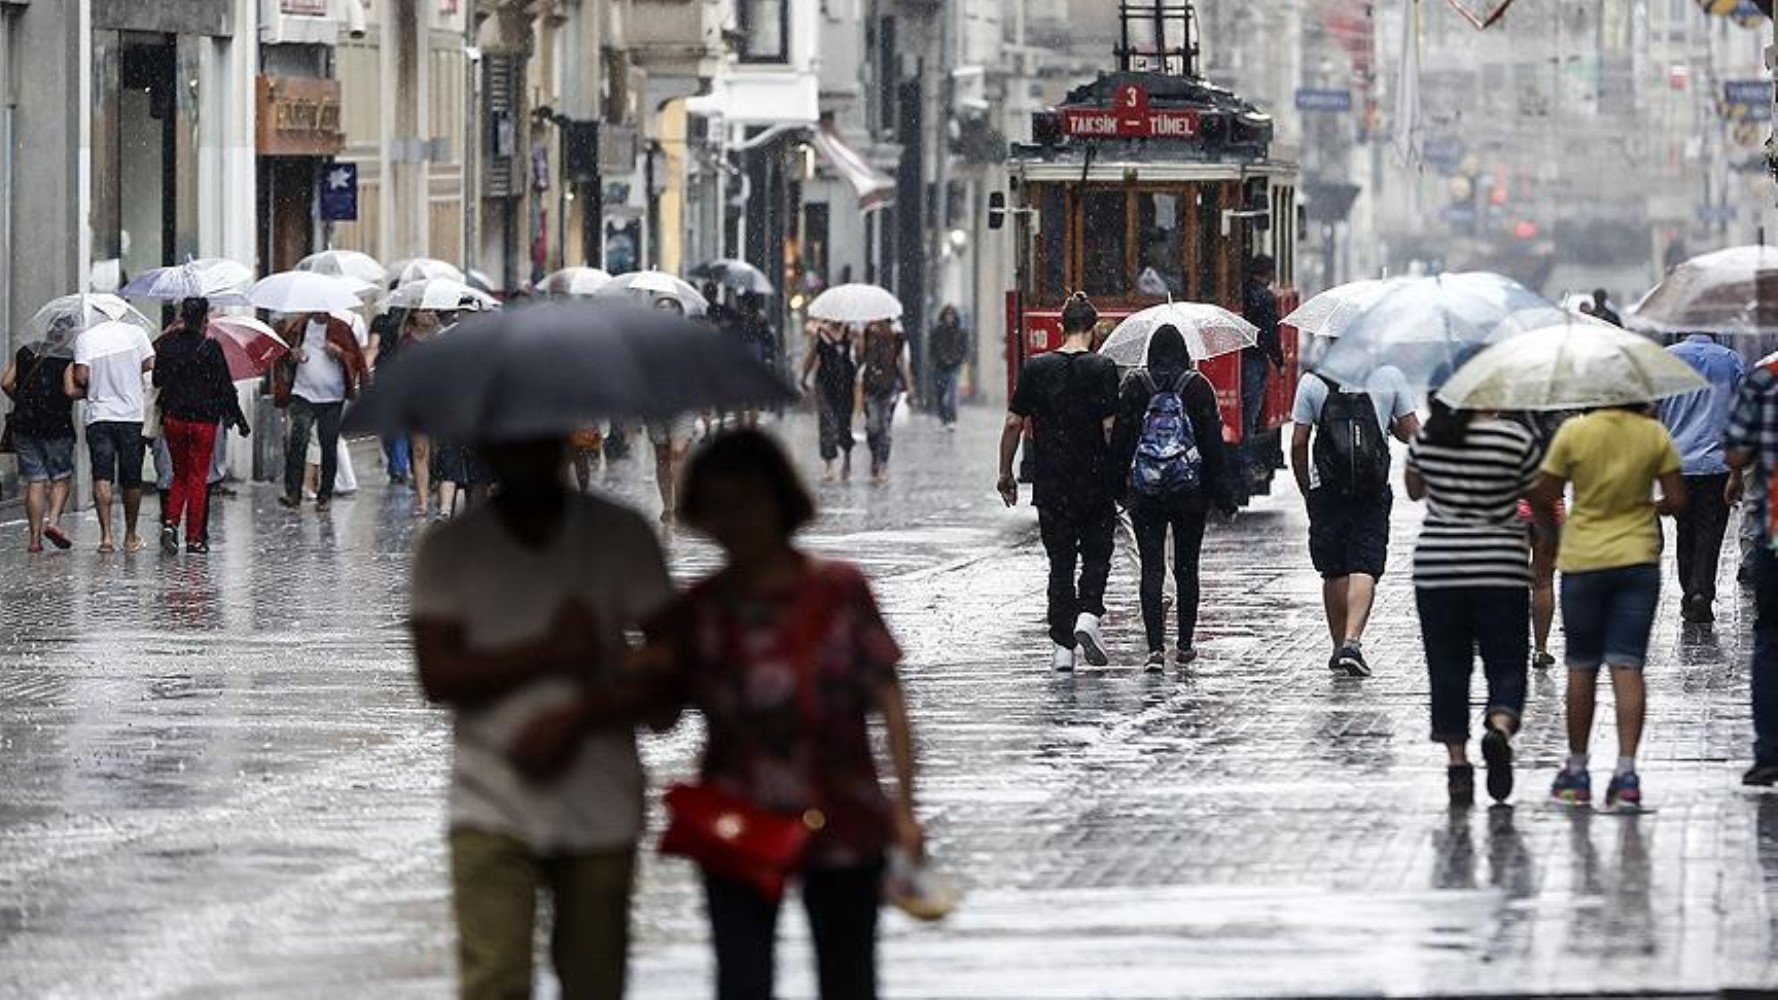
column 736, row 274
column 549, row 369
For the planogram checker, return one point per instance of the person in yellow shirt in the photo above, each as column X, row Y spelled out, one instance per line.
column 1610, row 559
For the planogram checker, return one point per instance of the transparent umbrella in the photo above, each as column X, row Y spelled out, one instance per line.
column 404, row 272
column 1209, row 331
column 736, row 274
column 345, row 264
column 654, row 286
column 304, row 292
column 214, row 279
column 1329, row 313
column 1733, row 291
column 1427, row 327
column 1569, row 363
column 55, row 326
column 855, row 303
column 440, row 294
column 575, row 281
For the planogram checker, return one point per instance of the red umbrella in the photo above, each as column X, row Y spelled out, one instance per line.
column 249, row 345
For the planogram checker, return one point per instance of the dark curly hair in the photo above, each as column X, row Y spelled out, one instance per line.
column 746, row 454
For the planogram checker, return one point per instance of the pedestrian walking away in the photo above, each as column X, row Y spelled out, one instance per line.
column 1611, row 576
column 1345, row 486
column 1069, row 396
column 834, row 370
column 883, row 376
column 109, row 362
column 386, row 336
column 196, row 395
column 950, row 351
column 1752, row 448
column 1259, row 306
column 1472, row 582
column 1544, row 536
column 786, row 656
column 519, row 610
column 420, row 326
column 1697, row 423
column 42, row 430
column 1167, row 441
column 324, row 369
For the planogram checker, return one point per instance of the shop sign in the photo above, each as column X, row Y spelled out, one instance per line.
column 298, row 116
column 1326, row 101
column 303, row 8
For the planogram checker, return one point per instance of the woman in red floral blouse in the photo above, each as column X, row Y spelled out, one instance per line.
column 740, row 641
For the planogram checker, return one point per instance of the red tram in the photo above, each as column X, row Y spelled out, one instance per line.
column 1145, row 186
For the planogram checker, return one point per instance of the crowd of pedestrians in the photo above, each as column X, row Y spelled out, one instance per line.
column 1511, row 500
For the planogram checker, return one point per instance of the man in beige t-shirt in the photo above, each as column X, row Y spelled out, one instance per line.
column 516, row 605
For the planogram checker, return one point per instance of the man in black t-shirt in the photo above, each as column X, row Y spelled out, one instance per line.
column 1070, row 397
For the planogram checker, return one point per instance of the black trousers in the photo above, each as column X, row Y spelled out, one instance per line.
column 1701, row 529
column 306, row 418
column 1076, row 535
column 1150, row 520
column 1455, row 624
column 842, row 905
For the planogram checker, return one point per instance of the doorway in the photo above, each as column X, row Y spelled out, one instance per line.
column 286, row 210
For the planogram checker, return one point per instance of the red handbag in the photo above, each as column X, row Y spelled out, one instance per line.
column 729, row 835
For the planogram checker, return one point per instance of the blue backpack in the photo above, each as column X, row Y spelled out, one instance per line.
column 1168, row 462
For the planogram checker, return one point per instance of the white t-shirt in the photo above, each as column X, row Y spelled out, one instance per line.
column 1391, row 397
column 474, row 573
column 113, row 354
column 320, row 378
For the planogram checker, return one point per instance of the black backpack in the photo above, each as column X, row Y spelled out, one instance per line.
column 1351, row 456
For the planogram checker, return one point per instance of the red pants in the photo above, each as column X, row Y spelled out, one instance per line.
column 191, row 445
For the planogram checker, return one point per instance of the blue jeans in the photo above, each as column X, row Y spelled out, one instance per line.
column 879, row 426
column 949, row 380
column 1456, row 623
column 1765, row 655
column 45, row 460
column 399, row 456
column 1607, row 615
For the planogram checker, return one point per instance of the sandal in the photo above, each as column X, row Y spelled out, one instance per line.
column 34, row 548
column 58, row 537
column 106, row 548
column 135, row 546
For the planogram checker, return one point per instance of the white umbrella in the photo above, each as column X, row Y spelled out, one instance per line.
column 478, row 280
column 110, row 337
column 1729, row 291
column 440, row 294
column 295, row 292
column 215, row 279
column 345, row 264
column 404, row 272
column 572, row 281
column 855, row 303
column 61, row 320
column 1209, row 331
column 657, row 285
column 1571, row 363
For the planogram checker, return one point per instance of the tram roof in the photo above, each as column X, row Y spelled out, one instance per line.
column 1143, row 118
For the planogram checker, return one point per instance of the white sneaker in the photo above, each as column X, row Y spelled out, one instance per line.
column 1062, row 658
column 1086, row 632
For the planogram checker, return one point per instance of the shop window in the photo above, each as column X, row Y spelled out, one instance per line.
column 1052, row 257
column 765, row 31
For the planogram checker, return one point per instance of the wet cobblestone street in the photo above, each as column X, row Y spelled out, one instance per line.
column 218, row 778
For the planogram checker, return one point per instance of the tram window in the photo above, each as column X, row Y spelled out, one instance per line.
column 1160, row 225
column 1103, row 240
column 1204, row 284
column 1052, row 241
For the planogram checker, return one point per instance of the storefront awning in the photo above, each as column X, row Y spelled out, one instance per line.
column 874, row 188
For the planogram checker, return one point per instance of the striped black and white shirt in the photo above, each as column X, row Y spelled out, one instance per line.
column 1473, row 536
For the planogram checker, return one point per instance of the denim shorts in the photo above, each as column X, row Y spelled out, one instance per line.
column 1607, row 615
column 45, row 460
column 116, row 449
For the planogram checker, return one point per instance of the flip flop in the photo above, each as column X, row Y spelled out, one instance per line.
column 135, row 546
column 34, row 548
column 106, row 548
column 58, row 537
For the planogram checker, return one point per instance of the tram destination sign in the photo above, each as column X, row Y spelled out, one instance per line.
column 1130, row 117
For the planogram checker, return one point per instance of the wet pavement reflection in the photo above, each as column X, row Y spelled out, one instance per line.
column 217, row 778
